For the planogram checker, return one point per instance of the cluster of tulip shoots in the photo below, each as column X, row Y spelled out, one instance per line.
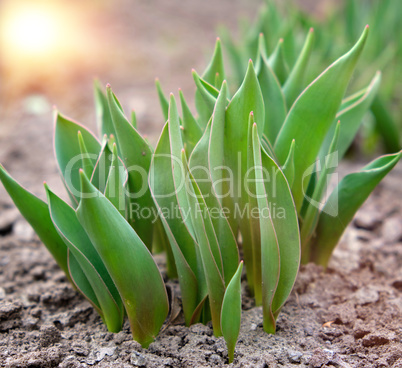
column 244, row 176
column 383, row 51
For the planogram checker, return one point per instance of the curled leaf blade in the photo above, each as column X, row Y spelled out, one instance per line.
column 231, row 312
column 128, row 261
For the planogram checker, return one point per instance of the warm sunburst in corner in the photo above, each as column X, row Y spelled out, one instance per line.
column 33, row 30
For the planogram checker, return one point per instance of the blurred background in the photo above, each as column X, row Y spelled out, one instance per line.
column 52, row 50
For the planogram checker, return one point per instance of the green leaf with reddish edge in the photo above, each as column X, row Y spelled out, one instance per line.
column 128, row 261
column 103, row 117
column 68, row 153
column 116, row 182
column 162, row 99
column 248, row 98
column 270, row 253
column 312, row 114
column 285, row 221
column 274, row 100
column 101, row 284
column 215, row 66
column 208, row 85
column 183, row 245
column 191, row 131
column 200, row 308
column 136, row 155
column 206, row 165
column 208, row 245
column 294, row 83
column 267, row 146
column 351, row 117
column 36, row 212
column 278, row 63
column 231, row 312
column 343, row 203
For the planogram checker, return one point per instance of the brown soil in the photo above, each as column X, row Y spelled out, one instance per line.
column 346, row 316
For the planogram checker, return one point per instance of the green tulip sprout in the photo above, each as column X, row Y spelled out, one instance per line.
column 241, row 181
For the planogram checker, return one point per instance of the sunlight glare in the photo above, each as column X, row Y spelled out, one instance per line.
column 32, row 31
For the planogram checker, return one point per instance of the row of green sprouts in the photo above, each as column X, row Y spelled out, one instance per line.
column 243, row 180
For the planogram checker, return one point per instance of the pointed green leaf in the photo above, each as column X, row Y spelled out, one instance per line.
column 162, row 99
column 103, row 117
column 68, row 153
column 285, row 221
column 343, row 203
column 310, row 219
column 215, row 67
column 209, row 249
column 89, row 261
column 278, row 63
column 351, row 116
column 247, row 99
column 231, row 312
column 87, row 163
column 205, row 98
column 191, row 130
column 295, row 82
column 36, row 212
column 313, row 112
column 128, row 262
column 270, row 254
column 182, row 244
column 136, row 155
column 274, row 100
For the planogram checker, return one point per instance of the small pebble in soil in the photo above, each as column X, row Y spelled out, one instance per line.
column 101, row 353
column 137, row 359
column 215, row 359
column 80, row 349
column 294, row 356
column 2, row 293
